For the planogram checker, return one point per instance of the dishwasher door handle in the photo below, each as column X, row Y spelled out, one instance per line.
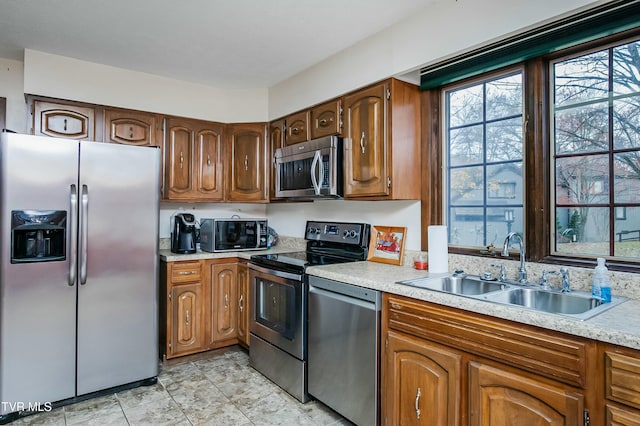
column 343, row 298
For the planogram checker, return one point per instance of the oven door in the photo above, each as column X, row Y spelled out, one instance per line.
column 279, row 301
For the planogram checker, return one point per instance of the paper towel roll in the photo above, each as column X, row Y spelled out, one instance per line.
column 438, row 249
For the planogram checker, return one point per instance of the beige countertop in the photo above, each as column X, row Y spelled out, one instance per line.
column 619, row 325
column 168, row 256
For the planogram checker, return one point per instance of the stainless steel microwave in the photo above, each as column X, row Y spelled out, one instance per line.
column 234, row 234
column 312, row 169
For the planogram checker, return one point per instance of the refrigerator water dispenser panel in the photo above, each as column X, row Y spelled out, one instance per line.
column 38, row 235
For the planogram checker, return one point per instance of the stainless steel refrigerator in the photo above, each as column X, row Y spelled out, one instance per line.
column 78, row 268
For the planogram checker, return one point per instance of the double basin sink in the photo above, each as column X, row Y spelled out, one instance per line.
column 576, row 304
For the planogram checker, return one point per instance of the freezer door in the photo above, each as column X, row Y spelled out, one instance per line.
column 118, row 265
column 38, row 302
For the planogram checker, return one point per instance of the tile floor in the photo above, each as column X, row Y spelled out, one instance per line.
column 219, row 388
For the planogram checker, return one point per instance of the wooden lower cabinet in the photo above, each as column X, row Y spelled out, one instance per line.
column 499, row 397
column 223, row 321
column 422, row 381
column 186, row 319
column 622, row 386
column 446, row 366
column 243, row 304
column 203, row 306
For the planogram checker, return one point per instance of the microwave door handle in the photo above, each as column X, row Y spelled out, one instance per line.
column 258, row 236
column 314, row 164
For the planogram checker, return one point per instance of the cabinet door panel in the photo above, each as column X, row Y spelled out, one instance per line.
column 243, row 304
column 246, row 176
column 366, row 162
column 223, row 302
column 618, row 416
column 64, row 121
column 276, row 140
column 179, row 161
column 209, row 164
column 186, row 318
column 421, row 383
column 131, row 127
column 297, row 128
column 501, row 398
column 325, row 119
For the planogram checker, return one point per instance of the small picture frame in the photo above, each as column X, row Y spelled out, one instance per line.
column 387, row 244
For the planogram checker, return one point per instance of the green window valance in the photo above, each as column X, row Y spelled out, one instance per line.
column 604, row 20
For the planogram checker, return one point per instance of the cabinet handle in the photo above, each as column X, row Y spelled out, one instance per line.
column 186, row 321
column 65, row 124
column 246, row 162
column 181, row 159
column 130, row 132
column 295, row 130
column 323, row 122
column 362, row 143
column 186, row 272
column 241, row 303
column 417, row 400
column 208, row 160
column 226, row 301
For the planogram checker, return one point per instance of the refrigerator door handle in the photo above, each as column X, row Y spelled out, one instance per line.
column 73, row 231
column 84, row 232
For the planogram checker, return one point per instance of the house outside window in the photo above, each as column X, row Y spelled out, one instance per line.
column 595, row 140
column 484, row 159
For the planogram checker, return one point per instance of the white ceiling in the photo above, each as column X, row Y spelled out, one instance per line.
column 221, row 43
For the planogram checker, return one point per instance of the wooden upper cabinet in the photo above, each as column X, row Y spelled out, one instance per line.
column 276, row 140
column 71, row 121
column 130, row 127
column 382, row 142
column 326, row 119
column 193, row 160
column 247, row 171
column 297, row 129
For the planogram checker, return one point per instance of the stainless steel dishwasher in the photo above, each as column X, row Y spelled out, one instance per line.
column 344, row 349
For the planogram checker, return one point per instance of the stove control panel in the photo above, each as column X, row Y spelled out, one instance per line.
column 338, row 232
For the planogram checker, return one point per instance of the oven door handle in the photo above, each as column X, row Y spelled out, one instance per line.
column 282, row 274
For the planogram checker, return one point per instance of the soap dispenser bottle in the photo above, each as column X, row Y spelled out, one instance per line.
column 601, row 286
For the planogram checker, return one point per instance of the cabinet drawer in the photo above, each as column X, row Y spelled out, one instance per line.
column 542, row 352
column 325, row 119
column 622, row 374
column 297, row 128
column 185, row 271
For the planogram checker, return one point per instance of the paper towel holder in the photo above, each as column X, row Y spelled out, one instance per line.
column 387, row 244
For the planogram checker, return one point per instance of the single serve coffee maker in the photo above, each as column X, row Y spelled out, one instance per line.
column 183, row 236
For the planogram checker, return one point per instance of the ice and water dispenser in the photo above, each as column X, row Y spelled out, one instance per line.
column 38, row 235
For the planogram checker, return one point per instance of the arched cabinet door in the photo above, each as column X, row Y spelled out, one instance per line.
column 186, row 319
column 246, row 170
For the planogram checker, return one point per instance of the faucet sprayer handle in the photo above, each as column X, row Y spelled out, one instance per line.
column 503, row 272
column 566, row 284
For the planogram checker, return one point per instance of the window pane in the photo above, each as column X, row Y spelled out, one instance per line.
column 582, row 129
column 582, row 79
column 466, row 186
column 465, row 146
column 466, row 226
column 582, row 180
column 626, row 123
column 627, row 177
column 465, row 106
column 504, row 140
column 504, row 184
column 485, row 141
column 504, row 97
column 627, row 232
column 626, row 75
column 582, row 231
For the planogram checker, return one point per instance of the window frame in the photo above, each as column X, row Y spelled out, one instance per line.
column 537, row 160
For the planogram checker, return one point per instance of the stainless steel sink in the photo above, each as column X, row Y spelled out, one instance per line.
column 462, row 285
column 576, row 304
